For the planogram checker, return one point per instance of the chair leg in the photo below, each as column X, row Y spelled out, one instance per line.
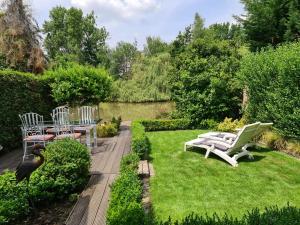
column 24, row 150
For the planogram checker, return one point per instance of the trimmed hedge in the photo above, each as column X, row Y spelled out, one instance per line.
column 65, row 171
column 157, row 125
column 271, row 216
column 20, row 93
column 140, row 143
column 125, row 205
column 272, row 80
column 13, row 198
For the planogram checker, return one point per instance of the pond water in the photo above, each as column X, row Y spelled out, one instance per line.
column 131, row 111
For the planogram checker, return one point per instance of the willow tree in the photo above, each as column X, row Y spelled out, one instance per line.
column 19, row 37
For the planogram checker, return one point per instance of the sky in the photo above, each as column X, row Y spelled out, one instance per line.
column 130, row 20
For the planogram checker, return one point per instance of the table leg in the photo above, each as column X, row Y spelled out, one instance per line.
column 95, row 136
column 88, row 138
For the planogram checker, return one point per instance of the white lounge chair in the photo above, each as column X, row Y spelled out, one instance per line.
column 230, row 152
column 230, row 137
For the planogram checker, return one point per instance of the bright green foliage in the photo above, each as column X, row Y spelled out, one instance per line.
column 125, row 205
column 70, row 32
column 272, row 215
column 272, row 79
column 65, row 171
column 155, row 46
column 229, row 125
column 186, row 182
column 270, row 22
column 149, row 80
column 20, row 93
column 139, row 143
column 156, row 125
column 205, row 85
column 122, row 58
column 13, row 198
column 130, row 162
column 107, row 130
column 79, row 85
column 116, row 121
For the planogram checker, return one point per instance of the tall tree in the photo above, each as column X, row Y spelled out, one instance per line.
column 69, row 32
column 198, row 27
column 122, row 58
column 155, row 46
column 270, row 22
column 19, row 37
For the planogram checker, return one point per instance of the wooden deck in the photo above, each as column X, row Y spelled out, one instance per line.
column 91, row 207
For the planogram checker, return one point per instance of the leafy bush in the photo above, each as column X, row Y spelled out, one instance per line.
column 13, row 198
column 126, row 193
column 272, row 216
column 79, row 85
column 272, row 80
column 156, row 125
column 65, row 171
column 229, row 125
column 205, row 84
column 209, row 124
column 20, row 93
column 116, row 121
column 140, row 143
column 130, row 162
column 107, row 130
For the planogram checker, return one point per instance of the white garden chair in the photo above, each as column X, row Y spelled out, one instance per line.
column 33, row 131
column 230, row 152
column 63, row 128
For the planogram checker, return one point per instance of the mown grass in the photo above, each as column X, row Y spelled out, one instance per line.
column 186, row 182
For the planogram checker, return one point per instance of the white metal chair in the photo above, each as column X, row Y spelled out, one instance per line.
column 63, row 128
column 33, row 131
column 230, row 152
column 87, row 122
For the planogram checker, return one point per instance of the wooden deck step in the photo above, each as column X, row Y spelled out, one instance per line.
column 145, row 169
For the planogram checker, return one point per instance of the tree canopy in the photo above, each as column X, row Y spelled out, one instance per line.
column 69, row 32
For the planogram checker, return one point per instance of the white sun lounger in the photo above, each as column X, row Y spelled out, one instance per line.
column 230, row 137
column 230, row 152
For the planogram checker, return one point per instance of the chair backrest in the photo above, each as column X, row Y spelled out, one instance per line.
column 61, row 123
column 61, row 115
column 262, row 127
column 32, row 124
column 244, row 137
column 86, row 115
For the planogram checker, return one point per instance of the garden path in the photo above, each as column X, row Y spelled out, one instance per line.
column 92, row 204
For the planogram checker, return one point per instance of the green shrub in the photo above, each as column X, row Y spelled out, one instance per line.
column 205, row 84
column 79, row 85
column 139, row 143
column 209, row 124
column 130, row 162
column 65, row 171
column 20, row 93
column 229, row 125
column 116, row 121
column 13, row 198
column 107, row 130
column 175, row 124
column 125, row 205
column 272, row 80
column 272, row 216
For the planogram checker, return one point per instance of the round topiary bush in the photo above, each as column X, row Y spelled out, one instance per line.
column 65, row 171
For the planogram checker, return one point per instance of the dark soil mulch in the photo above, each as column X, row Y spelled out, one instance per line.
column 52, row 214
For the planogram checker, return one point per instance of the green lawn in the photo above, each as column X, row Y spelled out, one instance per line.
column 186, row 182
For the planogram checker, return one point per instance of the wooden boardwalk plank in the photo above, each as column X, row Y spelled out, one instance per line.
column 92, row 205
